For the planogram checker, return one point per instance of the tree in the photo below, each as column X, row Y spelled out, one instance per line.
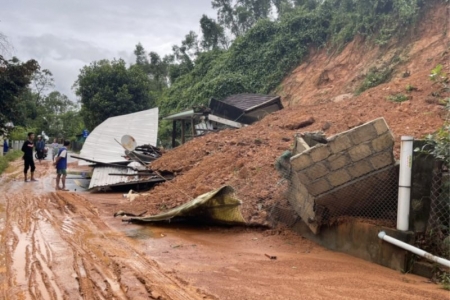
column 15, row 77
column 141, row 56
column 109, row 88
column 57, row 103
column 213, row 34
column 4, row 44
column 42, row 81
column 158, row 68
column 240, row 15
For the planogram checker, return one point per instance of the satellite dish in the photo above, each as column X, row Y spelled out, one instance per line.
column 128, row 142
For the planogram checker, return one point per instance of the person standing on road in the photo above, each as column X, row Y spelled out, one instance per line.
column 61, row 166
column 55, row 148
column 27, row 149
column 40, row 146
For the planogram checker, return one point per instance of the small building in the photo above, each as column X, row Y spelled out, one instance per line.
column 235, row 111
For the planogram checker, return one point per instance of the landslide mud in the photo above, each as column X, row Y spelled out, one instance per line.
column 55, row 246
column 66, row 245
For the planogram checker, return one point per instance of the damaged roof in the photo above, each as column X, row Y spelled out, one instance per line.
column 100, row 145
column 248, row 101
column 101, row 177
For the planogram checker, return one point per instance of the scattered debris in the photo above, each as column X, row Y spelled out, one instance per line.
column 218, row 206
column 122, row 213
column 132, row 195
column 272, row 257
column 301, row 124
column 100, row 145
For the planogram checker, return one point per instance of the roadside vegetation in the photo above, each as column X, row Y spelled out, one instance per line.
column 9, row 157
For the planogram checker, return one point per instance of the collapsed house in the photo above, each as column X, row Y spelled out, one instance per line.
column 235, row 111
column 116, row 164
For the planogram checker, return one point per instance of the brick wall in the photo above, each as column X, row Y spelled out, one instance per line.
column 345, row 158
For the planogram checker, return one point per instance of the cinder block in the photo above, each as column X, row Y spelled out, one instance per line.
column 301, row 161
column 316, row 171
column 339, row 177
column 363, row 133
column 360, row 168
column 319, row 153
column 382, row 160
column 340, row 143
column 380, row 126
column 359, row 152
column 319, row 187
column 338, row 161
column 303, row 178
column 383, row 142
column 300, row 145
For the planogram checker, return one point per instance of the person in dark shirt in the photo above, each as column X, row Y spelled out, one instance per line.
column 40, row 147
column 27, row 150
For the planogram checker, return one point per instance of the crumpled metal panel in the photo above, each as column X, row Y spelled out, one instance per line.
column 100, row 144
column 101, row 178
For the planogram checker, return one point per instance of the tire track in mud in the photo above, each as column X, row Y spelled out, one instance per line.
column 56, row 247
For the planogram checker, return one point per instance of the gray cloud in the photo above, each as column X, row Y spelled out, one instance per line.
column 66, row 35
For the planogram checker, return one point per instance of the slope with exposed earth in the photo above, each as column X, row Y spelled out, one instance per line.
column 323, row 88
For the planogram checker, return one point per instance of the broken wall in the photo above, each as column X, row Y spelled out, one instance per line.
column 318, row 173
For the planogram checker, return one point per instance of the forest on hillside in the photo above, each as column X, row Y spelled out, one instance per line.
column 249, row 46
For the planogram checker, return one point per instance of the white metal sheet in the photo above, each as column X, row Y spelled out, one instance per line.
column 101, row 146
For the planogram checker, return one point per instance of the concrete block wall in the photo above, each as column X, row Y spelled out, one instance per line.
column 346, row 157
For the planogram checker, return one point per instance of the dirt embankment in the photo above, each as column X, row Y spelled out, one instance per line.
column 323, row 88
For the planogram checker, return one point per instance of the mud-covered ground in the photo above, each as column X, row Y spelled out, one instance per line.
column 67, row 245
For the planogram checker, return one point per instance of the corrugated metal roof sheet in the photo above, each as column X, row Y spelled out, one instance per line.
column 101, row 146
column 181, row 115
column 246, row 101
column 101, row 178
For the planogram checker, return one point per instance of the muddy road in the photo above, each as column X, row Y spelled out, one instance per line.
column 67, row 245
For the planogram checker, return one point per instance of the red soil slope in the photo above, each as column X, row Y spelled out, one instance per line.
column 322, row 88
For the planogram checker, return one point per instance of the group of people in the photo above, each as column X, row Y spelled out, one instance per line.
column 59, row 159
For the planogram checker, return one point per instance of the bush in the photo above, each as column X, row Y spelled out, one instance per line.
column 398, row 97
column 373, row 78
column 6, row 159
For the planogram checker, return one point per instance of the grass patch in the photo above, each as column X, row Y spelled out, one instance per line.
column 373, row 78
column 409, row 88
column 9, row 157
column 398, row 97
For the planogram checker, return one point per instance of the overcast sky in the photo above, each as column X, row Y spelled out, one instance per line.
column 65, row 35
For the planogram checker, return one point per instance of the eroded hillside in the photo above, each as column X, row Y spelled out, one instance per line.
column 327, row 88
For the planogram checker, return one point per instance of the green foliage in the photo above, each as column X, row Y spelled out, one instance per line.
column 213, row 34
column 240, row 15
column 373, row 78
column 409, row 88
column 438, row 143
column 109, row 88
column 19, row 133
column 9, row 157
column 265, row 50
column 15, row 77
column 438, row 75
column 398, row 97
column 444, row 280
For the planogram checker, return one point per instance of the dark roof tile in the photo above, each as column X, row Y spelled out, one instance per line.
column 246, row 101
